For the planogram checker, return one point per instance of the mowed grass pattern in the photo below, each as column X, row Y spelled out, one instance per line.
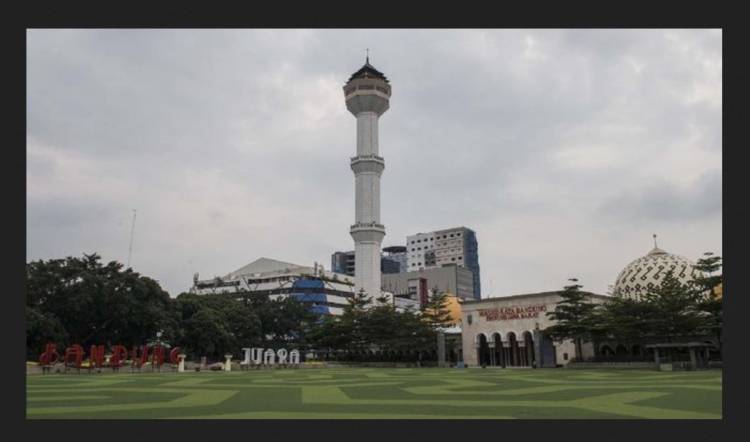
column 374, row 393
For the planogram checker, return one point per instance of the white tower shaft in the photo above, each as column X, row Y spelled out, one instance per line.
column 367, row 231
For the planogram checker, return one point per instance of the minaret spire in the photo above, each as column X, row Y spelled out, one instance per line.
column 655, row 246
column 367, row 57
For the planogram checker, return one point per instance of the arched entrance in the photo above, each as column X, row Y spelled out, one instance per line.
column 606, row 351
column 483, row 350
column 637, row 351
column 498, row 350
column 621, row 351
column 528, row 339
column 513, row 353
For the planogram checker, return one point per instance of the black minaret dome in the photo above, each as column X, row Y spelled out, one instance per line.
column 368, row 71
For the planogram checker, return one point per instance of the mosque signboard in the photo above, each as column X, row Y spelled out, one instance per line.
column 512, row 312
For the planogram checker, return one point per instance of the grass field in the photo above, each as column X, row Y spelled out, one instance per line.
column 376, row 393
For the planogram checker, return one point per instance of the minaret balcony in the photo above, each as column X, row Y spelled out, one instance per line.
column 361, row 86
column 368, row 163
column 367, row 232
column 367, row 227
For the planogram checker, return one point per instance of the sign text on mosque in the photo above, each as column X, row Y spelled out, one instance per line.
column 513, row 312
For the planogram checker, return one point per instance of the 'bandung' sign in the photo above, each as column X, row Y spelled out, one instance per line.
column 74, row 356
column 513, row 312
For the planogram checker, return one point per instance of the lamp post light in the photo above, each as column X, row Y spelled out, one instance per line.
column 158, row 345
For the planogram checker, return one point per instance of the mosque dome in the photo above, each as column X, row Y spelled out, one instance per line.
column 646, row 273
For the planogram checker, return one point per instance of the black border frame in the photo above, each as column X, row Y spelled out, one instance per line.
column 377, row 15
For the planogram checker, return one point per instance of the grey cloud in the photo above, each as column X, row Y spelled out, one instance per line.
column 666, row 202
column 234, row 144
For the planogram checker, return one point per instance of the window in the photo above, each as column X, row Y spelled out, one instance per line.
column 460, row 257
column 451, row 235
column 458, row 234
column 565, row 356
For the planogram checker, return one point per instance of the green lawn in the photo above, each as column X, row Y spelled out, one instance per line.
column 374, row 393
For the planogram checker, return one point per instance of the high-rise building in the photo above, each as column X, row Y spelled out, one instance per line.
column 343, row 262
column 367, row 96
column 392, row 260
column 451, row 279
column 450, row 246
column 395, row 254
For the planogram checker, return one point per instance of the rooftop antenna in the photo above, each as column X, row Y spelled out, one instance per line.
column 132, row 231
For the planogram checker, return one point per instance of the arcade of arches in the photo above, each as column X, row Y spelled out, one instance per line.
column 507, row 351
column 509, row 332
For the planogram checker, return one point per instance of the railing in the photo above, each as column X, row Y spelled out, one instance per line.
column 367, row 157
column 367, row 225
column 368, row 85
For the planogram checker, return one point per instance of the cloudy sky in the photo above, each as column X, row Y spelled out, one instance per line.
column 563, row 149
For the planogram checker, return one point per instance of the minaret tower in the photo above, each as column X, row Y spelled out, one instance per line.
column 367, row 94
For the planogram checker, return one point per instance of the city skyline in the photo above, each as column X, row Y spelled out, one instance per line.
column 564, row 150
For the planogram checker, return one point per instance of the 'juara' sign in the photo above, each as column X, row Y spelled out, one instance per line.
column 259, row 356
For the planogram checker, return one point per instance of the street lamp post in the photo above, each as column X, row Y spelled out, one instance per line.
column 158, row 345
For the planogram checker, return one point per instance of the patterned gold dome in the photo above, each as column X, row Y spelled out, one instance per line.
column 646, row 273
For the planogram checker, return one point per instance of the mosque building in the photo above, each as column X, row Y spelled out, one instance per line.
column 508, row 331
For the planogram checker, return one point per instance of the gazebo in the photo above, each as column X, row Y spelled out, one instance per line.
column 698, row 359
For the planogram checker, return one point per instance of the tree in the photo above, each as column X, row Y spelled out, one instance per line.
column 675, row 310
column 625, row 320
column 436, row 311
column 96, row 303
column 41, row 329
column 710, row 305
column 239, row 324
column 364, row 327
column 329, row 333
column 573, row 316
column 353, row 320
column 291, row 320
column 707, row 280
column 208, row 334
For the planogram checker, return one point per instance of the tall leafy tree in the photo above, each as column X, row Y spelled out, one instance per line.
column 98, row 303
column 709, row 275
column 237, row 324
column 625, row 320
column 353, row 320
column 436, row 311
column 707, row 283
column 675, row 310
column 208, row 334
column 573, row 316
column 40, row 329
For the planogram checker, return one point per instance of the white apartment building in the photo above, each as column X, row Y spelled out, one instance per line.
column 457, row 246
